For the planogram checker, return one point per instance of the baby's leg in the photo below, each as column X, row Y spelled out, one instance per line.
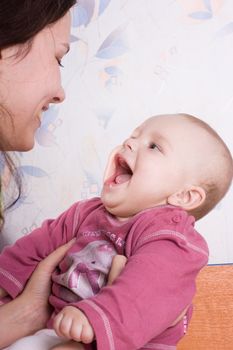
column 69, row 345
column 44, row 339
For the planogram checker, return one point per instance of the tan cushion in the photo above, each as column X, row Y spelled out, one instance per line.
column 211, row 327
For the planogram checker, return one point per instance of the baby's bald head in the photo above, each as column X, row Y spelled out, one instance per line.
column 215, row 170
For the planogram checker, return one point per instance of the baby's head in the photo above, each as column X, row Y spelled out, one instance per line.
column 173, row 159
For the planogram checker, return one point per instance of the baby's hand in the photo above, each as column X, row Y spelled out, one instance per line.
column 72, row 323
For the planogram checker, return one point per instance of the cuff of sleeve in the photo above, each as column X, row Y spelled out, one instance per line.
column 100, row 323
column 11, row 285
column 91, row 346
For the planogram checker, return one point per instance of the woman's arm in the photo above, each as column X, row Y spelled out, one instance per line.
column 30, row 310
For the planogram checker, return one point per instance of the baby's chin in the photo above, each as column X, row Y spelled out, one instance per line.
column 119, row 213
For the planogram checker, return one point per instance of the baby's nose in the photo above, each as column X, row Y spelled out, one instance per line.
column 130, row 144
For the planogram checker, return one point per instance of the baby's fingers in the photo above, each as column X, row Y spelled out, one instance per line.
column 88, row 334
column 72, row 323
column 63, row 325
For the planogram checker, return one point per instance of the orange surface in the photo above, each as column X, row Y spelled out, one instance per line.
column 211, row 327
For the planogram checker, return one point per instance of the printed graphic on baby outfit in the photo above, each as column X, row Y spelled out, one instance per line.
column 86, row 271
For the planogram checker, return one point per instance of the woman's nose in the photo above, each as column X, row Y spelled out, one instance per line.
column 59, row 96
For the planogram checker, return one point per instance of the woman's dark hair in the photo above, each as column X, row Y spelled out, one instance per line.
column 20, row 21
column 6, row 162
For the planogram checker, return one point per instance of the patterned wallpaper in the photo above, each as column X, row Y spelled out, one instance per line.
column 129, row 59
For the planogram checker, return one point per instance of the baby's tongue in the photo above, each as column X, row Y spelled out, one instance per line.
column 122, row 178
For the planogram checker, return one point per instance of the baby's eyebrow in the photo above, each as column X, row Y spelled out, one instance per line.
column 162, row 139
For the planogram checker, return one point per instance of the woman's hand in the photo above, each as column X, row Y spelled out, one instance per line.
column 30, row 311
column 38, row 287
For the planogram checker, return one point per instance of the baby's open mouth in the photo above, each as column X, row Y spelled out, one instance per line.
column 122, row 172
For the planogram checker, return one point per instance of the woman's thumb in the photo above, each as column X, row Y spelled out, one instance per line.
column 53, row 259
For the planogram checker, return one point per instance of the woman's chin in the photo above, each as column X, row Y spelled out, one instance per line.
column 24, row 146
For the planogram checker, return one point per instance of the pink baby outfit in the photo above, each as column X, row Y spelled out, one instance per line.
column 165, row 254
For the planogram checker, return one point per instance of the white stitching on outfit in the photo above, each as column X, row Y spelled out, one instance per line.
column 11, row 278
column 105, row 321
column 159, row 346
column 76, row 218
column 176, row 234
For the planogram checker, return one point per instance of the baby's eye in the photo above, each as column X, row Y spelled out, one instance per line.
column 153, row 145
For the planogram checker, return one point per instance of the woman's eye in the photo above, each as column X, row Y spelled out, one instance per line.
column 59, row 62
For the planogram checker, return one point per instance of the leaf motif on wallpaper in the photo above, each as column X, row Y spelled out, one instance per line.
column 104, row 117
column 45, row 134
column 207, row 4
column 50, row 116
column 83, row 13
column 203, row 15
column 226, row 30
column 112, row 70
column 19, row 202
column 113, row 73
column 90, row 186
column 102, row 5
column 32, row 171
column 74, row 38
column 45, row 138
column 114, row 45
column 86, row 10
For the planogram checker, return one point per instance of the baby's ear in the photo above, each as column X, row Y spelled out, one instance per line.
column 189, row 198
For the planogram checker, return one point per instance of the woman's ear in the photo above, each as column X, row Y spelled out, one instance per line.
column 189, row 198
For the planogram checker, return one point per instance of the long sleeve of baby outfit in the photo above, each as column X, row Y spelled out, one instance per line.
column 17, row 262
column 154, row 288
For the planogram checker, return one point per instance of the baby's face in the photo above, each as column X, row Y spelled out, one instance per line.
column 161, row 157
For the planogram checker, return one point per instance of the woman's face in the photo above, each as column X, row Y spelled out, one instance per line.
column 28, row 84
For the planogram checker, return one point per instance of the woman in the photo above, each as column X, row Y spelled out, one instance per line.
column 34, row 36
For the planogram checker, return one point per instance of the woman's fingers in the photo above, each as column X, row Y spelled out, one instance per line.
column 38, row 287
column 41, row 277
column 52, row 260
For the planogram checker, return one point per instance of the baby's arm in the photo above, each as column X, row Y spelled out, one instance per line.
column 72, row 323
column 62, row 325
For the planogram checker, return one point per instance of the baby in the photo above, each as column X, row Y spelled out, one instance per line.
column 171, row 171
